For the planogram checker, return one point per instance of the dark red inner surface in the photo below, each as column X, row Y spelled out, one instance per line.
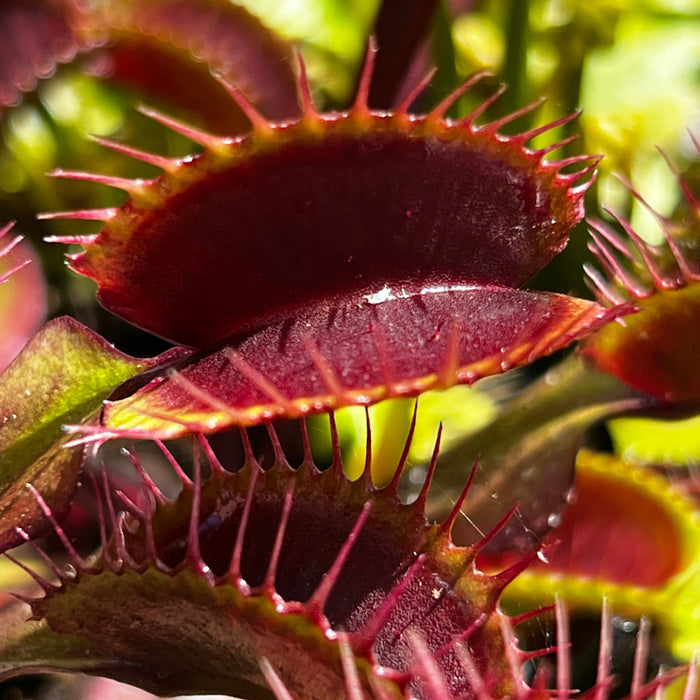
column 310, row 220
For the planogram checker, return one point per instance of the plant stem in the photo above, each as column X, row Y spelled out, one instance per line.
column 515, row 62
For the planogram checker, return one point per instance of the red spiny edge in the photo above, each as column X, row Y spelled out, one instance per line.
column 262, row 125
column 564, row 180
column 632, row 268
column 655, row 351
column 425, row 672
column 120, row 552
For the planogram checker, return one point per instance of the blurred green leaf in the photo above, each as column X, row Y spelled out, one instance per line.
column 639, row 95
column 61, row 377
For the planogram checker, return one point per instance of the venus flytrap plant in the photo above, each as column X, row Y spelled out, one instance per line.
column 245, row 571
column 639, row 364
column 440, row 347
column 312, row 261
column 663, row 283
column 438, row 296
column 646, row 565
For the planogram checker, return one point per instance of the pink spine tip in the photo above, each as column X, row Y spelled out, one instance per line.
column 81, row 214
column 257, row 120
column 166, row 164
column 8, row 273
column 497, row 124
column 307, row 102
column 480, row 109
column 479, row 546
column 363, row 86
column 132, row 187
column 439, row 110
column 6, row 228
column 203, row 138
column 545, row 150
column 448, row 523
column 422, row 84
column 72, row 240
column 422, row 499
column 7, row 248
column 394, row 484
column 562, row 121
column 144, row 476
column 569, row 179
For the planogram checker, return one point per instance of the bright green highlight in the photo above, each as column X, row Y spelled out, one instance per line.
column 640, row 94
column 649, row 441
column 460, row 410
